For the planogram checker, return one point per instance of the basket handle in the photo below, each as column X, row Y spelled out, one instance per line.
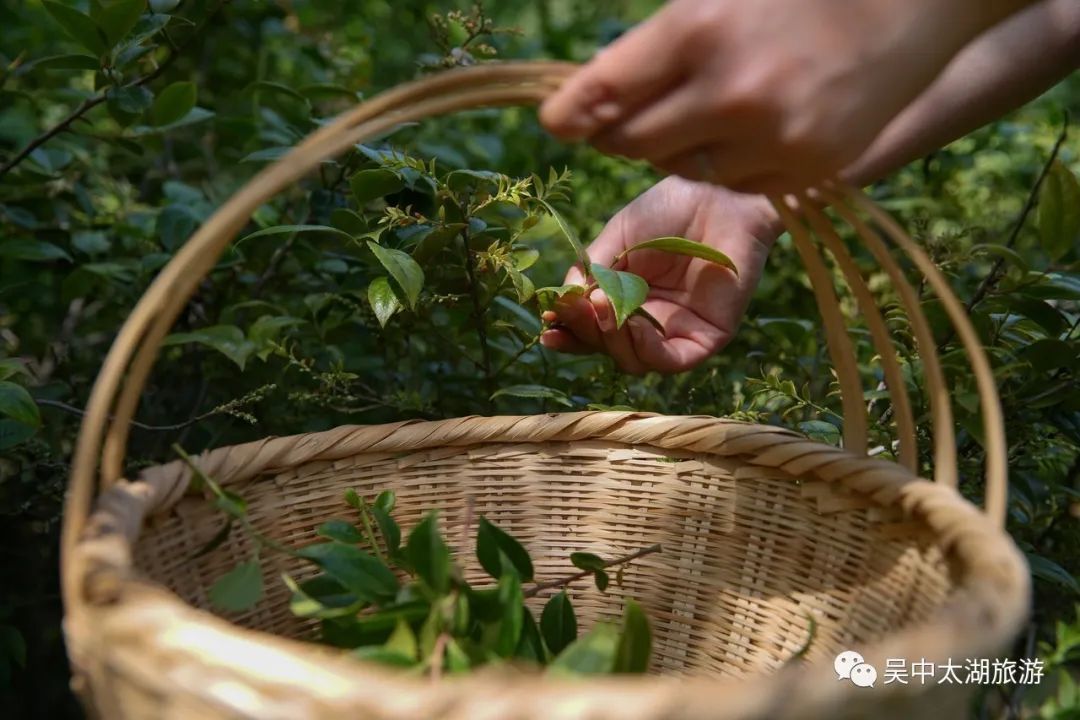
column 104, row 431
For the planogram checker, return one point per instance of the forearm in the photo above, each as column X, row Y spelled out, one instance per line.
column 1000, row 70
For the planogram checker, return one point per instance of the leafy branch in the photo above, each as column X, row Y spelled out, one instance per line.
column 90, row 103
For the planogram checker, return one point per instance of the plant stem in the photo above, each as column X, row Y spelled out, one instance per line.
column 562, row 582
column 368, row 531
column 990, row 282
column 478, row 317
column 134, row 423
column 90, row 103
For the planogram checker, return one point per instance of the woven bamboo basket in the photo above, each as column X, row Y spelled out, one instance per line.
column 761, row 528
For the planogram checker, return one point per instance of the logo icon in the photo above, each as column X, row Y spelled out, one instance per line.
column 850, row 665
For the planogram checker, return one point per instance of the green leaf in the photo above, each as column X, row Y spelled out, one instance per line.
column 513, row 611
column 10, row 367
column 523, row 286
column 17, row 404
column 368, row 185
column 79, row 26
column 239, row 589
column 591, row 654
column 821, row 431
column 534, row 391
column 587, row 561
column 296, row 230
column 32, row 250
column 175, row 224
column 386, row 500
column 602, row 580
column 373, row 629
column 321, row 597
column 428, row 554
column 118, row 17
column 524, row 258
column 405, row 270
column 389, row 528
column 340, row 530
column 66, row 62
column 457, row 660
column 13, row 432
column 558, row 623
column 267, row 328
column 358, row 572
column 433, row 242
column 403, row 641
column 568, row 232
column 531, row 645
column 625, row 291
column 128, row 102
column 173, row 103
column 383, row 300
column 229, row 340
column 382, row 656
column 635, row 641
column 682, row 246
column 490, row 540
column 1059, row 211
column 1046, row 569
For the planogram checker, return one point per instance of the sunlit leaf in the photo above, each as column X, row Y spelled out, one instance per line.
column 682, row 246
column 625, row 291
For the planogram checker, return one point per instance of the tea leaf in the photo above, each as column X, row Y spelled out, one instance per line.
column 429, row 555
column 368, row 185
column 625, row 291
column 682, row 246
column 173, row 103
column 558, row 623
column 513, row 611
column 359, row 572
column 405, row 270
column 386, row 500
column 403, row 641
column 1059, row 211
column 635, row 642
column 17, row 404
column 389, row 529
column 238, row 589
column 587, row 561
column 602, row 580
column 593, row 653
column 340, row 530
column 534, row 391
column 569, row 234
column 321, row 597
column 78, row 25
column 531, row 646
column 490, row 540
column 383, row 300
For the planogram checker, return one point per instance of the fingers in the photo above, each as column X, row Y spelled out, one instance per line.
column 672, row 125
column 632, row 70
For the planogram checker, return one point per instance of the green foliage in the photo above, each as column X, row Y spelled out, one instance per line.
column 434, row 621
column 120, row 133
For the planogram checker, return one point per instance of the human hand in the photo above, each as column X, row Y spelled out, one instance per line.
column 764, row 96
column 699, row 304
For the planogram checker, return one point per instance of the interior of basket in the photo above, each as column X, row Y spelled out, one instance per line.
column 749, row 554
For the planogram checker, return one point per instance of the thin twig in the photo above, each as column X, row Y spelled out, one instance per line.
column 135, row 423
column 562, row 582
column 90, row 103
column 991, row 280
column 478, row 316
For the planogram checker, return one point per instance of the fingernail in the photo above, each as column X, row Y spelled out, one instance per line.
column 549, row 316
